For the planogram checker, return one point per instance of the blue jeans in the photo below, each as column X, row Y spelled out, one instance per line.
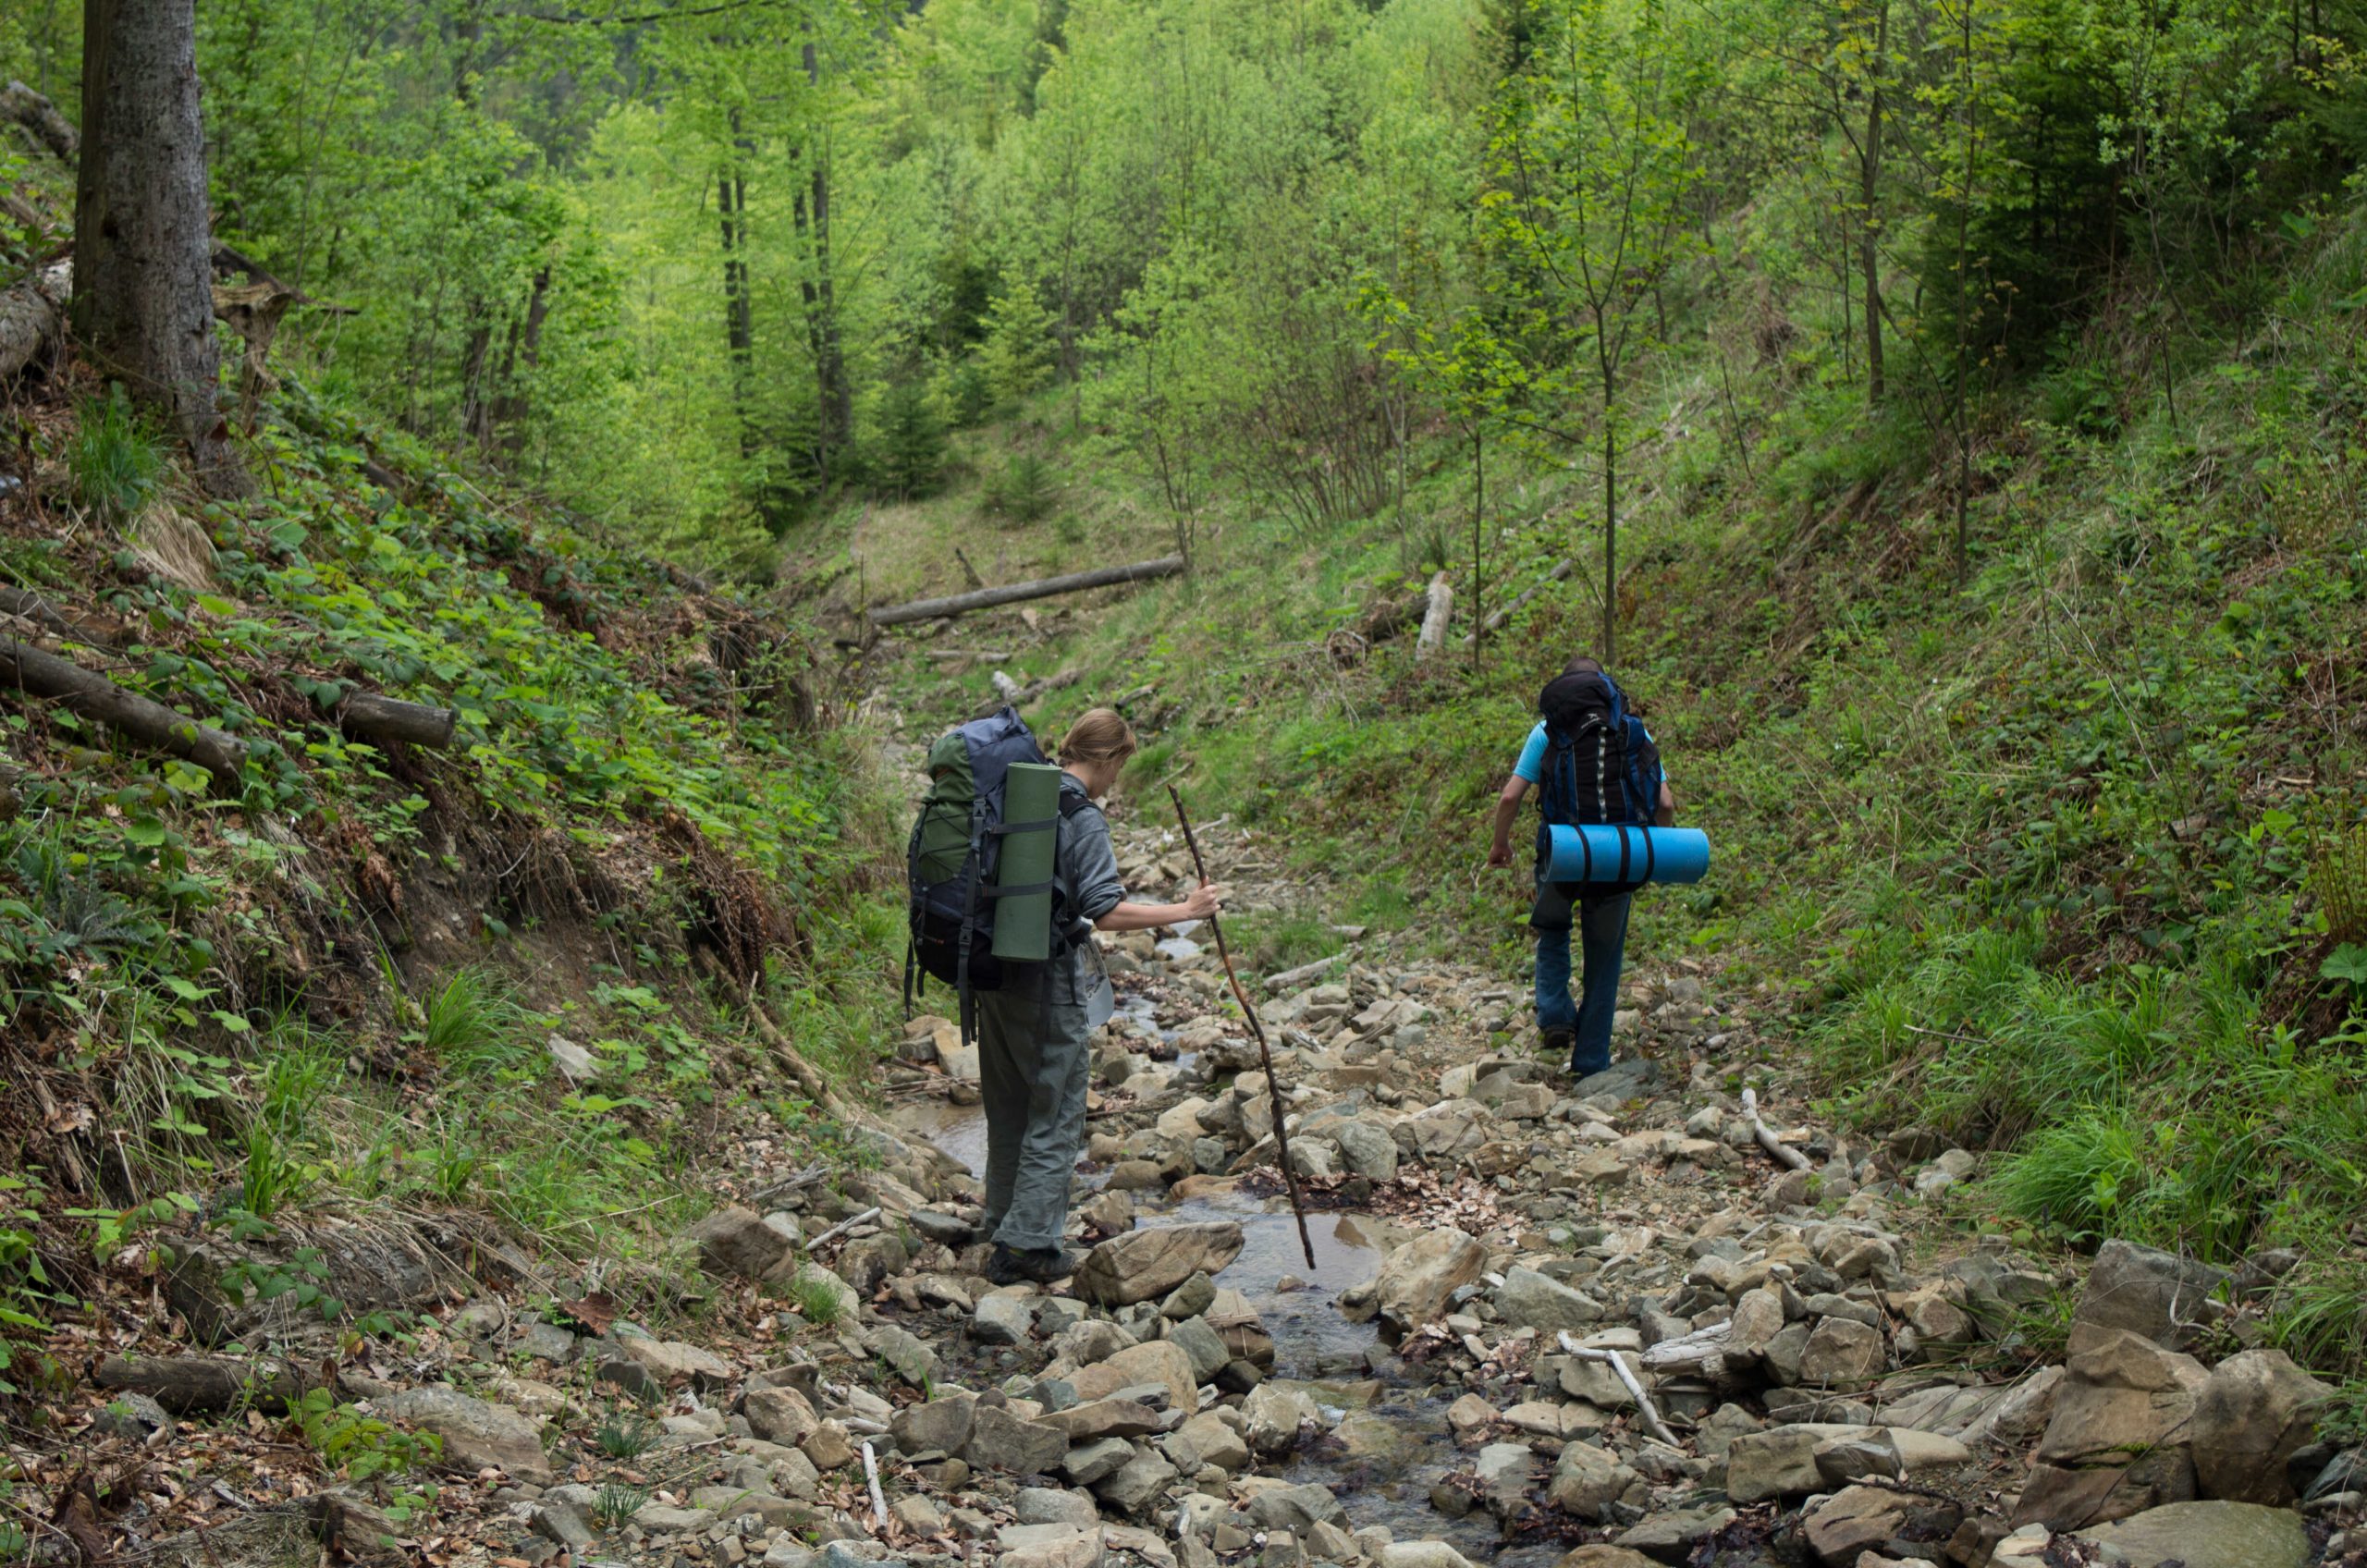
column 1601, row 925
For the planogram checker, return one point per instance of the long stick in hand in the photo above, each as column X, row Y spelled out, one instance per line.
column 1265, row 1053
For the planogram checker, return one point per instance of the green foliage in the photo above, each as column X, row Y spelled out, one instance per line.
column 472, row 1024
column 116, row 461
column 1018, row 354
column 616, row 1502
column 1025, row 492
column 357, row 1446
column 2338, row 881
column 626, row 1435
column 910, row 453
column 815, row 1300
column 25, row 1284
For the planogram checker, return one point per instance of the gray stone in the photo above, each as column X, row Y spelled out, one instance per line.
column 1781, row 1460
column 1506, row 1472
column 1003, row 1320
column 2119, row 1442
column 780, row 1415
column 1841, row 1353
column 1091, row 1461
column 674, row 1364
column 1853, row 1520
column 1136, row 1484
column 2158, row 1295
column 1050, row 1506
column 1588, row 1481
column 1278, row 1413
column 1622, row 1080
column 1148, row 1262
column 133, row 1416
column 2254, row 1413
column 2208, row 1535
column 1422, row 1554
column 1529, row 1300
column 913, row 1361
column 1367, row 1151
column 544, row 1342
column 1202, row 1344
column 1190, row 1299
column 659, row 1519
column 736, row 1242
column 999, row 1440
column 1670, row 1537
column 563, row 1523
column 1417, row 1279
column 1208, row 1439
column 1296, row 1508
column 942, row 1426
column 477, row 1435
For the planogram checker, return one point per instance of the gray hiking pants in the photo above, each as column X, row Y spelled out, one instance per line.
column 1035, row 1053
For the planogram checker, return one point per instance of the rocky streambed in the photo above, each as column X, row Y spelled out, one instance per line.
column 1600, row 1324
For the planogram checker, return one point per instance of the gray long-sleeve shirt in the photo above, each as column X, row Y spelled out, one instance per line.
column 1088, row 867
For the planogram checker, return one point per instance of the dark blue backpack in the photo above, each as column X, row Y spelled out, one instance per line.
column 1600, row 763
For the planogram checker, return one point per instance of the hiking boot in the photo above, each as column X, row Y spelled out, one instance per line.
column 1558, row 1044
column 1041, row 1266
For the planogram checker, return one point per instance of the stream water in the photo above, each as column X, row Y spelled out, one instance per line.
column 1390, row 1442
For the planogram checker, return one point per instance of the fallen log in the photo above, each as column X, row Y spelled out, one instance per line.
column 93, row 696
column 49, row 617
column 1012, row 594
column 1644, row 1407
column 1435, row 618
column 1392, row 616
column 32, row 318
column 38, row 115
column 369, row 716
column 1785, row 1156
column 1289, row 977
column 204, row 1383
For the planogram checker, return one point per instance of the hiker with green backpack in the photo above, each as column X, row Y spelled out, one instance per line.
column 1011, row 873
column 1593, row 763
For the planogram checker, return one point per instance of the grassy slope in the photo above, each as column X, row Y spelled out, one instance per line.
column 2030, row 858
column 335, row 984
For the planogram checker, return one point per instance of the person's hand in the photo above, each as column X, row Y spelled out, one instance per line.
column 1207, row 900
column 1500, row 857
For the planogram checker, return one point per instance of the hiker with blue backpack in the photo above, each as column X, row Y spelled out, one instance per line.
column 1010, row 927
column 1592, row 763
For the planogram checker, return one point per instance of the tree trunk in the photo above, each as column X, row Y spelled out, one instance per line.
column 95, row 697
column 1609, row 531
column 38, row 115
column 143, row 241
column 1043, row 588
column 202, row 1384
column 1868, row 223
column 29, row 323
column 518, row 359
column 1435, row 620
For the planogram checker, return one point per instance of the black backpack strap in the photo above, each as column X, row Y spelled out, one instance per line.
column 969, row 873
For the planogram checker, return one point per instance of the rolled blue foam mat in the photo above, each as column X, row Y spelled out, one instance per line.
column 1599, row 853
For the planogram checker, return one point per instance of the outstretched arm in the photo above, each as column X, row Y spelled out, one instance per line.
column 1208, row 898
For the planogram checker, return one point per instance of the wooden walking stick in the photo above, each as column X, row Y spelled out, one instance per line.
column 1265, row 1053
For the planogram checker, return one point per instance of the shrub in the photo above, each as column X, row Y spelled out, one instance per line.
column 116, row 461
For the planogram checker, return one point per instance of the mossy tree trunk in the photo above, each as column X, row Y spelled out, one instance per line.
column 144, row 237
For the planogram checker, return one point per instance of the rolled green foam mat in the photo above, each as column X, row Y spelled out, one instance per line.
column 1031, row 793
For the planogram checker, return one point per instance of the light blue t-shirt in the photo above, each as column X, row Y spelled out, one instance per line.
column 1531, row 766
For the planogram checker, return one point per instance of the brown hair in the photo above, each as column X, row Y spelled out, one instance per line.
column 1582, row 665
column 1100, row 735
